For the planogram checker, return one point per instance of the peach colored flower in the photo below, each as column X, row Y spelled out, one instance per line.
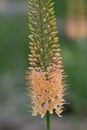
column 47, row 89
column 45, row 74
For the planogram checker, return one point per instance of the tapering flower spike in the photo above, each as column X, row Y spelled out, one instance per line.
column 45, row 73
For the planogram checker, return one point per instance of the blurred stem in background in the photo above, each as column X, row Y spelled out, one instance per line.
column 76, row 8
column 76, row 19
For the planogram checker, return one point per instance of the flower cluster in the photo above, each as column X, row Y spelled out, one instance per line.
column 45, row 73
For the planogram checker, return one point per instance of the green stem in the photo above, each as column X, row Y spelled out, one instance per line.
column 42, row 34
column 48, row 120
column 44, row 54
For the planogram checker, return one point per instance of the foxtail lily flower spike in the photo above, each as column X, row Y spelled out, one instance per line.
column 45, row 72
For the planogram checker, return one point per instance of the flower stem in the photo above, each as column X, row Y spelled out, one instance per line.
column 48, row 120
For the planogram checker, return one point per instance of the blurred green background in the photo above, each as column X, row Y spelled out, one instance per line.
column 14, row 52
